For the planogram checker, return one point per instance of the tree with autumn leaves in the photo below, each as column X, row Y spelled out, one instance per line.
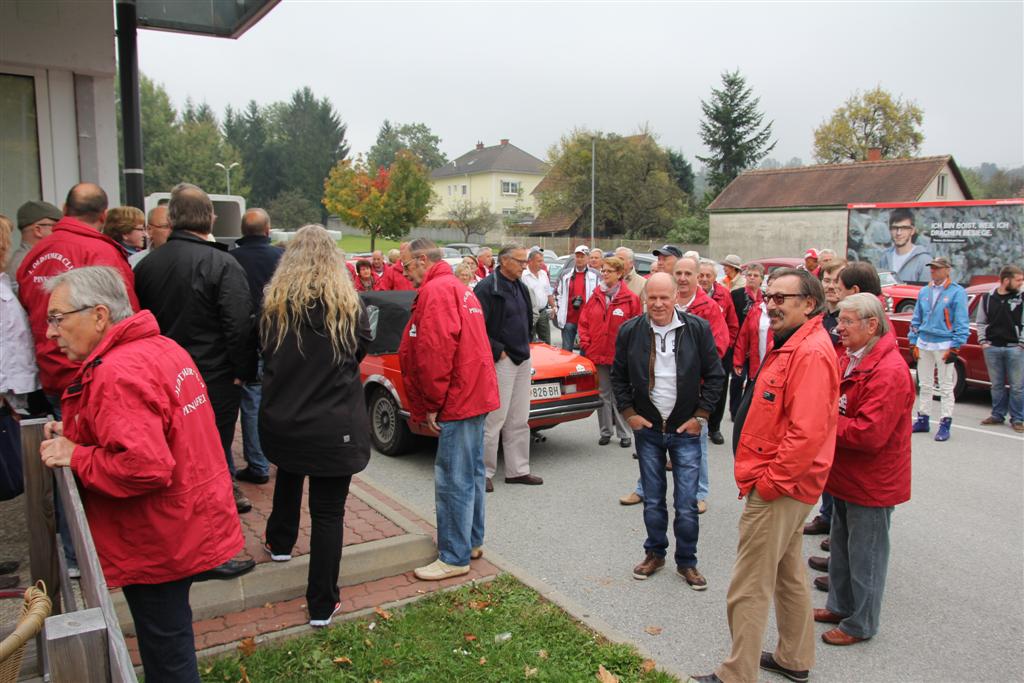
column 384, row 202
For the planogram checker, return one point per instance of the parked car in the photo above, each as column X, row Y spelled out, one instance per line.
column 776, row 262
column 563, row 384
column 464, row 248
column 970, row 366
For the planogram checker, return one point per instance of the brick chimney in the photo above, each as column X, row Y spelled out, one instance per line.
column 479, row 144
column 504, row 141
column 874, row 154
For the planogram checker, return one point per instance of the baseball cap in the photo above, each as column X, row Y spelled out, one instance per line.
column 668, row 250
column 33, row 211
column 581, row 249
column 940, row 262
column 811, row 253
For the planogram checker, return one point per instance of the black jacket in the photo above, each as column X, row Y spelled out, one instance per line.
column 259, row 259
column 742, row 302
column 313, row 416
column 200, row 297
column 492, row 299
column 700, row 378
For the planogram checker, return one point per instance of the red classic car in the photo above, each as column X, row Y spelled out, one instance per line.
column 770, row 264
column 970, row 367
column 564, row 385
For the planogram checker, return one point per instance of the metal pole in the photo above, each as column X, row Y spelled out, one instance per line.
column 131, row 117
column 593, row 154
column 227, row 172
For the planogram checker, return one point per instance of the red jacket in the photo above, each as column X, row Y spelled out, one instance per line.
column 747, row 348
column 723, row 298
column 789, row 437
column 445, row 355
column 395, row 279
column 362, row 288
column 872, row 463
column 157, row 491
column 705, row 307
column 482, row 272
column 73, row 244
column 599, row 323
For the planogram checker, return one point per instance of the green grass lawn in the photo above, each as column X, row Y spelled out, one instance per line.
column 358, row 244
column 500, row 631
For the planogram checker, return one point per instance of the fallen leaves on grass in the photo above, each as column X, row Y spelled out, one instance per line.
column 647, row 666
column 245, row 676
column 469, row 637
column 543, row 654
column 478, row 604
column 387, row 662
column 342, row 661
column 529, row 671
column 606, row 676
column 247, row 646
column 382, row 613
column 367, row 642
column 653, row 630
column 483, row 660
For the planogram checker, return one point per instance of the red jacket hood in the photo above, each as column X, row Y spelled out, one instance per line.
column 137, row 326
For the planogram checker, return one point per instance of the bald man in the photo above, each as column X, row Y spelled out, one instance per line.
column 158, row 229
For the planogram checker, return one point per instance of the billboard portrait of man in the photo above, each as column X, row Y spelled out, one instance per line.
column 905, row 258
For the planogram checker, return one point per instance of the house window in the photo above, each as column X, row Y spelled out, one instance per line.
column 464, row 190
column 942, row 185
column 510, row 187
column 508, row 212
column 20, row 176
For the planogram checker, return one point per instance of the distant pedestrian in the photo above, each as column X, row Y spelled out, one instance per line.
column 810, row 263
column 1001, row 335
column 506, row 305
column 451, row 384
column 784, row 441
column 126, row 225
column 158, row 229
column 377, row 264
column 632, row 279
column 734, row 279
column 313, row 421
column 484, row 262
column 595, row 258
column 744, row 300
column 721, row 295
column 536, row 279
column 576, row 284
column 939, row 328
column 395, row 278
column 365, row 280
column 466, row 274
column 36, row 220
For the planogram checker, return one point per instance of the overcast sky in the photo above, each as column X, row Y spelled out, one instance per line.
column 531, row 72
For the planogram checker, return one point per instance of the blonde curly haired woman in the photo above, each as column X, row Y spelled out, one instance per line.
column 312, row 420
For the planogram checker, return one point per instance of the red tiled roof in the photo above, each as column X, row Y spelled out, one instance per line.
column 561, row 222
column 889, row 180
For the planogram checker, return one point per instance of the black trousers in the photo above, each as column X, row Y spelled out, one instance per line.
column 225, row 396
column 327, row 497
column 736, row 386
column 163, row 624
column 715, row 419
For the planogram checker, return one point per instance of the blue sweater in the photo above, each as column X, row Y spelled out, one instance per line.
column 941, row 315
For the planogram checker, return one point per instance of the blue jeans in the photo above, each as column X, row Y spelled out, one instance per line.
column 702, row 483
column 684, row 452
column 250, row 409
column 569, row 336
column 1006, row 366
column 858, row 566
column 827, row 503
column 459, row 489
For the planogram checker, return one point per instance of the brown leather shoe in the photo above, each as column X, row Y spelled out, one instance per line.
column 821, row 583
column 651, row 564
column 839, row 637
column 489, row 486
column 816, row 527
column 991, row 421
column 1017, row 427
column 818, row 563
column 826, row 617
column 528, row 479
column 693, row 577
column 702, row 507
column 476, row 553
column 630, row 499
column 826, row 545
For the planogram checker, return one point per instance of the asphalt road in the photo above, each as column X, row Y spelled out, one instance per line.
column 954, row 602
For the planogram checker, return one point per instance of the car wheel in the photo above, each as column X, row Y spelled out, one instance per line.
column 388, row 431
column 906, row 306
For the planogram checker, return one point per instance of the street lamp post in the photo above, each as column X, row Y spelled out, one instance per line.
column 227, row 172
column 593, row 156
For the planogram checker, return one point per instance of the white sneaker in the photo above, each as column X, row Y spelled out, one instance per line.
column 438, row 570
column 275, row 558
column 321, row 623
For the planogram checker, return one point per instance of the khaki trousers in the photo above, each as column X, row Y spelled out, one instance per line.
column 510, row 422
column 769, row 563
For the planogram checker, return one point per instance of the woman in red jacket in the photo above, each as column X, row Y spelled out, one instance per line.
column 870, row 474
column 612, row 304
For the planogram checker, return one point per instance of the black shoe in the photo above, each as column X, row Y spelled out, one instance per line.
column 246, row 474
column 625, row 443
column 9, row 566
column 228, row 570
column 604, row 441
column 489, row 485
column 768, row 663
column 716, row 438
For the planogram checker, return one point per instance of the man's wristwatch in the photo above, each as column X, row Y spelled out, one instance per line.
column 702, row 421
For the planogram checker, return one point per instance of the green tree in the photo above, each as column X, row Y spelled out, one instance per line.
column 472, row 219
column 382, row 202
column 312, row 141
column 415, row 137
column 681, row 171
column 732, row 129
column 291, row 210
column 870, row 119
column 636, row 194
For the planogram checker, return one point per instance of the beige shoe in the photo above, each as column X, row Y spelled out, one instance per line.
column 476, row 553
column 438, row 570
column 630, row 499
column 702, row 507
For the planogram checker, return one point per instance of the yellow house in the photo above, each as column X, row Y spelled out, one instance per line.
column 503, row 176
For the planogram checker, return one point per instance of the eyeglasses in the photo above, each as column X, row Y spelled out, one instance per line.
column 55, row 319
column 162, row 226
column 905, row 228
column 140, row 228
column 779, row 299
column 521, row 261
column 406, row 264
column 846, row 322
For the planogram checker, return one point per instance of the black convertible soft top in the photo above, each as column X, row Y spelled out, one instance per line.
column 388, row 312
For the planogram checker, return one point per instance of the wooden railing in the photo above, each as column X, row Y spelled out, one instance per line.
column 80, row 643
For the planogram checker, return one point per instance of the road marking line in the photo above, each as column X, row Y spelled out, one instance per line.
column 990, row 433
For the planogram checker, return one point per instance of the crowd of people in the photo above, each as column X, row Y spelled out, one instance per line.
column 147, row 352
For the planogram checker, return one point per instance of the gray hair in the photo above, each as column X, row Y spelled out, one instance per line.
column 95, row 286
column 507, row 249
column 695, row 255
column 629, row 252
column 708, row 262
column 483, row 250
column 422, row 245
column 866, row 306
column 826, row 252
column 190, row 209
column 756, row 267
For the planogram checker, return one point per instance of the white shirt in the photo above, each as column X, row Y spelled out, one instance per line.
column 135, row 258
column 663, row 391
column 899, row 259
column 18, row 374
column 763, row 324
column 539, row 286
column 855, row 358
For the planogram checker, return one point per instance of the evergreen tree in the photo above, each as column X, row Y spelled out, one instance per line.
column 732, row 129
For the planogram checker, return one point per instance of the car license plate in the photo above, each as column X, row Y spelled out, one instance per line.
column 549, row 390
